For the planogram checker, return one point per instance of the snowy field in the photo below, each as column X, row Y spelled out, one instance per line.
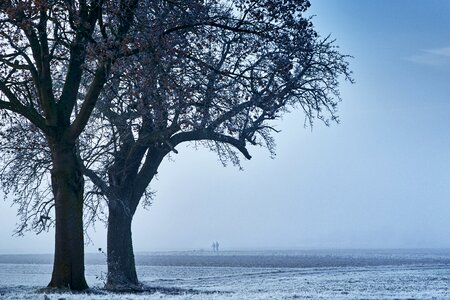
column 418, row 274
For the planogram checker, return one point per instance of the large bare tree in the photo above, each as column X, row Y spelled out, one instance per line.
column 55, row 57
column 217, row 73
column 218, row 79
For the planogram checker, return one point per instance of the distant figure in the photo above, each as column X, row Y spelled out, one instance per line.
column 215, row 246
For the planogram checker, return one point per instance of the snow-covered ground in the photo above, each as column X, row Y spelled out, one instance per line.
column 254, row 275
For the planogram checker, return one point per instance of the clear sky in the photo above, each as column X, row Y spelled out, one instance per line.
column 380, row 179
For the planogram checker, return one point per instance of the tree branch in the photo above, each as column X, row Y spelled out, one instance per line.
column 91, row 98
column 16, row 106
column 149, row 169
column 100, row 183
column 212, row 24
column 204, row 134
column 77, row 59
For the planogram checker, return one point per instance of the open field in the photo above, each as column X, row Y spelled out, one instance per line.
column 398, row 274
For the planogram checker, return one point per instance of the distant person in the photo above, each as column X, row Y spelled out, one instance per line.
column 214, row 246
column 217, row 246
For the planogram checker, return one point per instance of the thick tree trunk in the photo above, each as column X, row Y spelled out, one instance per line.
column 121, row 265
column 128, row 184
column 68, row 186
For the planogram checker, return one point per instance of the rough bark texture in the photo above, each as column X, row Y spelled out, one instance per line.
column 127, row 186
column 121, row 265
column 68, row 187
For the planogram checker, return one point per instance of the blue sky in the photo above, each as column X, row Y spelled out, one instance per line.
column 380, row 179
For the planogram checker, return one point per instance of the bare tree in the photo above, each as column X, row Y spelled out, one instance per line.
column 218, row 79
column 55, row 57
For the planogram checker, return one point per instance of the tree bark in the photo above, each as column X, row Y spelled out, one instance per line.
column 121, row 264
column 68, row 187
column 127, row 186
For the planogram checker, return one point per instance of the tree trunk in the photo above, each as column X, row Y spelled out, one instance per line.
column 127, row 185
column 68, row 187
column 121, row 265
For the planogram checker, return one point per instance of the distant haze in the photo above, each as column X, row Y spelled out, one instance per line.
column 380, row 179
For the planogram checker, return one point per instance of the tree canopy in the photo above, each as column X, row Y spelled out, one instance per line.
column 146, row 76
column 220, row 80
